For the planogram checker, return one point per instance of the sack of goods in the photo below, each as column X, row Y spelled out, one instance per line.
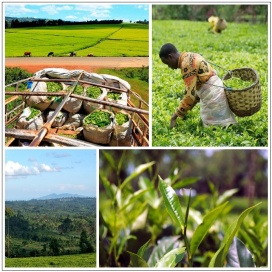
column 30, row 118
column 122, row 134
column 95, row 93
column 98, row 126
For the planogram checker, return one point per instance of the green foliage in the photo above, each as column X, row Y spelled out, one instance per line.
column 79, row 260
column 240, row 45
column 98, row 118
column 36, row 224
column 93, row 92
column 129, row 40
column 114, row 95
column 137, row 80
column 121, row 118
column 143, row 224
column 15, row 74
column 33, row 114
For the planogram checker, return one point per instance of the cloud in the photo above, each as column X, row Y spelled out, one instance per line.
column 15, row 9
column 96, row 11
column 15, row 169
column 59, row 155
column 144, row 7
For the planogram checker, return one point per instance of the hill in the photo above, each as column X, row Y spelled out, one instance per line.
column 56, row 196
column 50, row 226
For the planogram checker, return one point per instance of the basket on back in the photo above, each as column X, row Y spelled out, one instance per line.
column 246, row 101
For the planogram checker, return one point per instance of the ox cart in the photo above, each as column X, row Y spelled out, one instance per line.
column 29, row 100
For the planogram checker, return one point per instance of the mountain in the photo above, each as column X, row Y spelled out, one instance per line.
column 55, row 196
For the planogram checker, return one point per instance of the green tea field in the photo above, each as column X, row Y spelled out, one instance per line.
column 79, row 260
column 128, row 40
column 240, row 45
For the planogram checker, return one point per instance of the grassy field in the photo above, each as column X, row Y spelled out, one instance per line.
column 79, row 260
column 240, row 45
column 125, row 39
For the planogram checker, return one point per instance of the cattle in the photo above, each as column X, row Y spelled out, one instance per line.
column 72, row 54
column 50, row 54
column 217, row 24
column 90, row 55
column 27, row 54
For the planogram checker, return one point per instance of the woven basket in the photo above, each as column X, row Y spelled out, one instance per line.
column 247, row 101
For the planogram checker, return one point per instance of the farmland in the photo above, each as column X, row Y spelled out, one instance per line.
column 130, row 40
column 240, row 45
column 80, row 260
column 49, row 230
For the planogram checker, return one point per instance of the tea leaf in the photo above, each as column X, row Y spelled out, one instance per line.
column 172, row 204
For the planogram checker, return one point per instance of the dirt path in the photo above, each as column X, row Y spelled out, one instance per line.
column 89, row 64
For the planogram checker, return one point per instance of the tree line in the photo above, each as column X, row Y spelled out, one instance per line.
column 19, row 23
column 232, row 13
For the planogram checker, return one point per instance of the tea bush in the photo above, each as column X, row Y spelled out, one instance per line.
column 148, row 224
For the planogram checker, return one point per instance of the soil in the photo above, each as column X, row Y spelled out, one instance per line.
column 89, row 64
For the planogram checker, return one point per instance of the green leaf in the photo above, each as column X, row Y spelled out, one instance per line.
column 172, row 204
column 142, row 249
column 136, row 260
column 204, row 227
column 219, row 257
column 132, row 199
column 225, row 196
column 152, row 194
column 172, row 258
column 239, row 255
column 164, row 246
column 110, row 159
column 139, row 170
column 185, row 182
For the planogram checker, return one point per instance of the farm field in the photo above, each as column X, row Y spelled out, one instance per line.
column 240, row 45
column 78, row 260
column 129, row 40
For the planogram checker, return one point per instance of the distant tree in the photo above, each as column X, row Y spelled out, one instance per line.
column 85, row 244
column 9, row 213
column 55, row 246
column 66, row 225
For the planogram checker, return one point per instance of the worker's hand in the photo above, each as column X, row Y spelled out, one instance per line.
column 173, row 120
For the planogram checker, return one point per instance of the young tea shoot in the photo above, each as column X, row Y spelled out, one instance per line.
column 34, row 113
column 121, row 118
column 237, row 83
column 114, row 95
column 98, row 118
column 93, row 92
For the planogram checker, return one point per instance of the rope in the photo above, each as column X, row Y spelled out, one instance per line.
column 228, row 71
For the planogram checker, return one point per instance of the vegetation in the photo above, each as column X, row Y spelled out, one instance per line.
column 53, row 87
column 39, row 228
column 78, row 260
column 232, row 13
column 16, row 74
column 130, row 40
column 33, row 113
column 237, row 83
column 147, row 221
column 98, row 118
column 121, row 118
column 236, row 47
column 137, row 78
column 114, row 95
column 93, row 92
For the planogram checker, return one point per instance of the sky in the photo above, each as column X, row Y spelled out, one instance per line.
column 79, row 12
column 33, row 173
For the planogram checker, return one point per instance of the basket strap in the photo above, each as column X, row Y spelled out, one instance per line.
column 224, row 87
